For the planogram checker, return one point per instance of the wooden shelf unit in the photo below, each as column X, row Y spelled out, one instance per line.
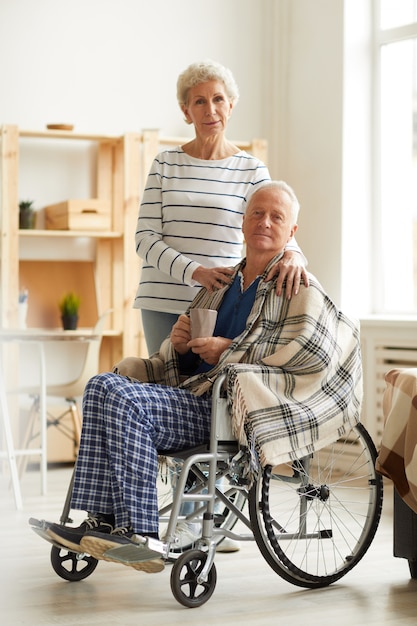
column 109, row 280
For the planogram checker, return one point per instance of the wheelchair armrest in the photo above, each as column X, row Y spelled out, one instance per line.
column 221, row 421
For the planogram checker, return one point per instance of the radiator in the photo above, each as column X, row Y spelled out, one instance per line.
column 386, row 344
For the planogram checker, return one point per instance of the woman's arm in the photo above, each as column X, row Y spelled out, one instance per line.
column 150, row 245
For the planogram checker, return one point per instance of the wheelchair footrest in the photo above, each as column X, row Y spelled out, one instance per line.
column 136, row 553
column 40, row 527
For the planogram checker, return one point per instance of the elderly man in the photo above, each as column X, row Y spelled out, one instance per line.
column 126, row 423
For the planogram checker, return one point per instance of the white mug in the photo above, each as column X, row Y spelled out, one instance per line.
column 203, row 322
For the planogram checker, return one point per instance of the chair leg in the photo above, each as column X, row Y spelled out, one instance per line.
column 77, row 422
column 22, row 461
column 30, row 430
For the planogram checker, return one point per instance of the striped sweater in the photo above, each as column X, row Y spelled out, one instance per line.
column 190, row 215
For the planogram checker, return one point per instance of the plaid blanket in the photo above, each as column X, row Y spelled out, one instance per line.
column 307, row 392
column 397, row 458
column 294, row 373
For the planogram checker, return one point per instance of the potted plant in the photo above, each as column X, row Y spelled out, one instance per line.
column 69, row 305
column 26, row 214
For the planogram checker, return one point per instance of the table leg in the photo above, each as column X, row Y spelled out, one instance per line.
column 43, row 418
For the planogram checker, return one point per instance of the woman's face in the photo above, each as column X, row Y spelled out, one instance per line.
column 208, row 108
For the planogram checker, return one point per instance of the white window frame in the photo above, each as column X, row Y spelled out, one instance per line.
column 380, row 38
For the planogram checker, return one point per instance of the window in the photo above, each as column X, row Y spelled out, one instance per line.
column 394, row 13
column 396, row 155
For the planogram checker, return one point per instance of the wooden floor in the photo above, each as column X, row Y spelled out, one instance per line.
column 378, row 590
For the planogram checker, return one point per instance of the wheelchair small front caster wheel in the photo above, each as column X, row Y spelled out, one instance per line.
column 184, row 579
column 72, row 566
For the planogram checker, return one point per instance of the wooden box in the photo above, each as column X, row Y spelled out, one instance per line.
column 91, row 214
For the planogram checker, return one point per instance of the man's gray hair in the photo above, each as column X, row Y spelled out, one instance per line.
column 202, row 72
column 281, row 185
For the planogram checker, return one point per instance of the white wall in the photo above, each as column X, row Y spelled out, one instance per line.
column 110, row 66
column 308, row 149
column 321, row 135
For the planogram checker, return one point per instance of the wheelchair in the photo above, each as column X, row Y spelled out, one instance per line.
column 313, row 519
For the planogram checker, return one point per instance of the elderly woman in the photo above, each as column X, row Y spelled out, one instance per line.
column 189, row 227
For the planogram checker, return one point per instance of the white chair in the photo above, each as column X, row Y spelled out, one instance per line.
column 70, row 391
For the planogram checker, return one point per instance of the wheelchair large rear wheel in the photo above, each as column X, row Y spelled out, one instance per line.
column 314, row 519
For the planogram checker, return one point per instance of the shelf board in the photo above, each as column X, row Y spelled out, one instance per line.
column 69, row 134
column 112, row 333
column 99, row 234
column 53, row 333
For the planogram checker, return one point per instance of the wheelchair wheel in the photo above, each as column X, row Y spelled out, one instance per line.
column 314, row 519
column 185, row 586
column 72, row 566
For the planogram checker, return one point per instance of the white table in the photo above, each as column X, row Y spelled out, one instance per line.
column 38, row 337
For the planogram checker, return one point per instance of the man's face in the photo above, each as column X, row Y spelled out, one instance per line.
column 267, row 224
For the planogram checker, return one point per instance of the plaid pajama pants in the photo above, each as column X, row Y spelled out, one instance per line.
column 125, row 425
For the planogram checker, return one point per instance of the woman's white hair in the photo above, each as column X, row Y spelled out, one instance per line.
column 282, row 186
column 201, row 72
